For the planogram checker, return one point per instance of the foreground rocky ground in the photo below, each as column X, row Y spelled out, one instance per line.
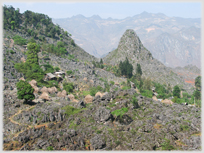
column 60, row 124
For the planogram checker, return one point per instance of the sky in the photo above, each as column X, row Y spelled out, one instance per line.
column 115, row 10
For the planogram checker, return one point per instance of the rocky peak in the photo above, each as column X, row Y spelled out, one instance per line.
column 129, row 46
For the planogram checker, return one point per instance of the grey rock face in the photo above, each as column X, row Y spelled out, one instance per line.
column 102, row 114
column 97, row 142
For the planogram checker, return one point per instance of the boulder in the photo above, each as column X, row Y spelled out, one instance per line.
column 97, row 142
column 102, row 114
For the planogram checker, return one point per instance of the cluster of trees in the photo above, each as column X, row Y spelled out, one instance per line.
column 31, row 68
column 32, row 23
column 58, row 50
column 126, row 68
column 98, row 64
column 12, row 17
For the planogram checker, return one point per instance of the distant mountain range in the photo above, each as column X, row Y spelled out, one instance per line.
column 172, row 40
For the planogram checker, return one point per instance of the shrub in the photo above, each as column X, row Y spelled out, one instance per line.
column 25, row 91
column 93, row 91
column 69, row 87
column 57, row 69
column 70, row 110
column 112, row 82
column 176, row 91
column 12, row 52
column 135, row 102
column 166, row 145
column 147, row 93
column 19, row 40
column 125, row 87
column 120, row 112
column 69, row 72
column 50, row 148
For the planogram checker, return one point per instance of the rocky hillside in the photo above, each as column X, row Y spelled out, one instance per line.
column 158, row 32
column 131, row 47
column 85, row 107
column 178, row 49
column 110, row 122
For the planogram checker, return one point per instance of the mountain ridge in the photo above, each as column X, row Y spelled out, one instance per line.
column 111, row 30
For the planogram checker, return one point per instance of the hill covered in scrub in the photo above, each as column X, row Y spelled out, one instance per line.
column 131, row 47
column 74, row 102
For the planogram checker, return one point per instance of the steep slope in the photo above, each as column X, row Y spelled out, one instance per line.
column 99, row 36
column 41, row 28
column 131, row 47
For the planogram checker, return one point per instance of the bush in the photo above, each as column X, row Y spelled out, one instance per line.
column 50, row 148
column 166, row 145
column 69, row 72
column 112, row 82
column 69, row 87
column 120, row 112
column 70, row 110
column 19, row 40
column 12, row 52
column 147, row 93
column 135, row 102
column 25, row 91
column 48, row 68
column 93, row 91
column 57, row 69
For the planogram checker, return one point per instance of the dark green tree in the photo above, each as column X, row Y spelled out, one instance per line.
column 197, row 95
column 198, row 82
column 138, row 72
column 126, row 68
column 25, row 91
column 176, row 91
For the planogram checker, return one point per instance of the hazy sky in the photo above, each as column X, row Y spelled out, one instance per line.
column 116, row 10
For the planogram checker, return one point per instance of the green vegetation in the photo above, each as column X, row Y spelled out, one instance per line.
column 19, row 40
column 70, row 72
column 135, row 102
column 176, row 91
column 94, row 90
column 25, row 91
column 48, row 68
column 166, row 145
column 126, row 68
column 50, row 148
column 98, row 64
column 69, row 87
column 31, row 68
column 138, row 72
column 120, row 112
column 70, row 110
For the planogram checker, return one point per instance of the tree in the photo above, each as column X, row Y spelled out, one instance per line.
column 126, row 68
column 138, row 72
column 12, row 25
column 176, row 91
column 25, row 91
column 198, row 82
column 197, row 95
